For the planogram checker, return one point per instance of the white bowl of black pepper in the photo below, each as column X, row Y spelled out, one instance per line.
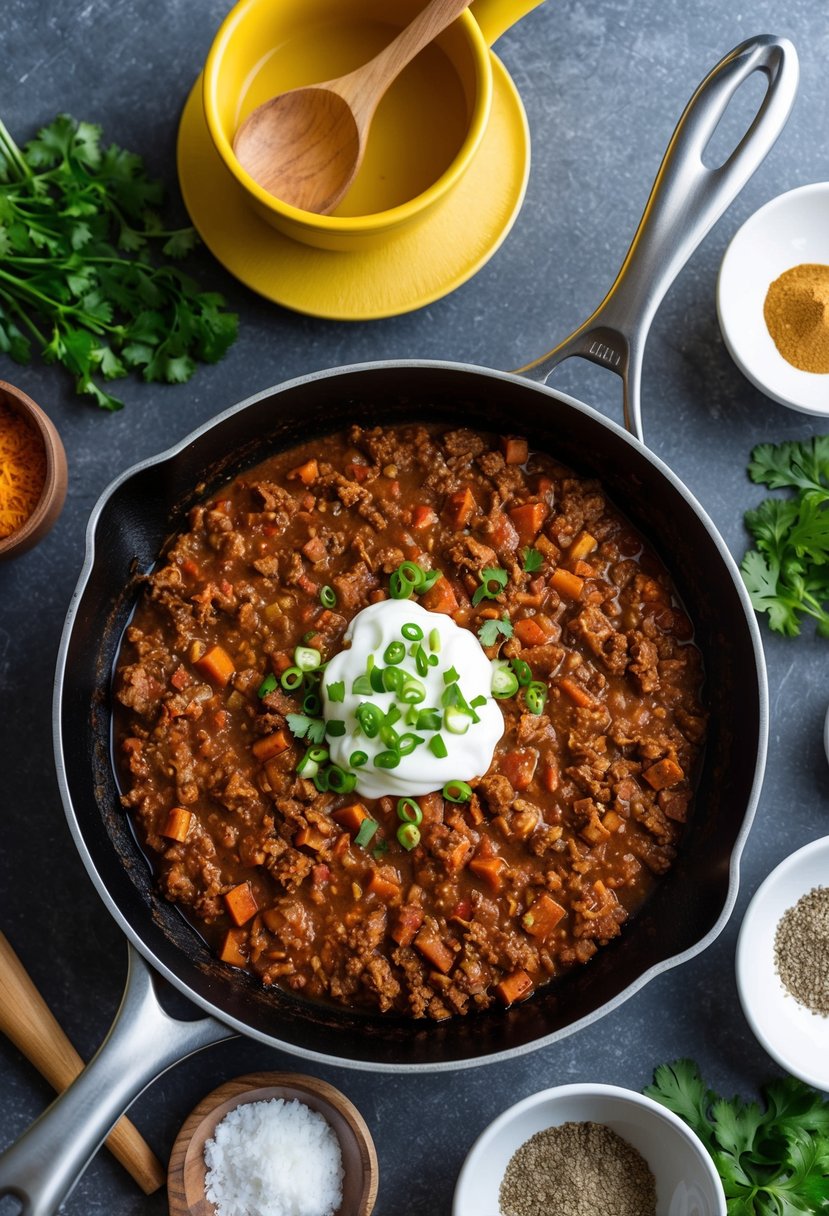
column 773, row 299
column 783, row 964
column 588, row 1150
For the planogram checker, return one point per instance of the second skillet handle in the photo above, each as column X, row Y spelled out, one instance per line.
column 42, row 1167
column 686, row 201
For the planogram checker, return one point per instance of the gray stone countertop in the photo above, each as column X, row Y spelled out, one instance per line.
column 603, row 85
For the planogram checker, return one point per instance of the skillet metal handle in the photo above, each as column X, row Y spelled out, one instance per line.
column 686, row 201
column 42, row 1167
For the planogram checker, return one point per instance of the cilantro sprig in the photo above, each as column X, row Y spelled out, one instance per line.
column 303, row 727
column 787, row 573
column 78, row 226
column 772, row 1162
column 532, row 559
column 491, row 630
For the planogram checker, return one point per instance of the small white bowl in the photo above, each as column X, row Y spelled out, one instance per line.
column 789, row 230
column 687, row 1184
column 792, row 1035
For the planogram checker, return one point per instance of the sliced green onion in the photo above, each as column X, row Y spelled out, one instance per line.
column 535, row 697
column 379, row 850
column 358, row 759
column 428, row 719
column 421, row 662
column 339, row 781
column 367, row 829
column 437, row 747
column 493, row 582
column 407, row 743
column 429, row 579
column 395, row 652
column 328, row 596
column 387, row 759
column 477, row 702
column 268, row 685
column 409, row 812
column 457, row 721
column 319, row 755
column 370, row 719
column 392, row 716
column 362, row 686
column 504, row 681
column 457, row 791
column 393, row 678
column 321, row 780
column 306, row 637
column 408, row 834
column 307, row 658
column 307, row 767
column 412, row 692
column 410, row 572
column 451, row 676
column 389, row 736
column 336, row 691
column 335, row 728
column 312, row 705
column 412, row 632
column 434, row 640
column 376, row 678
column 291, row 679
column 523, row 671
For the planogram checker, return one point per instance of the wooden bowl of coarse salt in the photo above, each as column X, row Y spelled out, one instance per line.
column 273, row 1143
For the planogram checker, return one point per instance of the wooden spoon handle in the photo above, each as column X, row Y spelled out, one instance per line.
column 363, row 88
column 26, row 1019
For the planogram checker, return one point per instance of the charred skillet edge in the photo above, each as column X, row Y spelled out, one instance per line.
column 614, row 1002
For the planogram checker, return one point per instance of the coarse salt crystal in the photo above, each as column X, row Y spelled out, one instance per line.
column 274, row 1158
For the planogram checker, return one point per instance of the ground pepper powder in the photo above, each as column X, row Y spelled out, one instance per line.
column 797, row 315
column 801, row 950
column 577, row 1169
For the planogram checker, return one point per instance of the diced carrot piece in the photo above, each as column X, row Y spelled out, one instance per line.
column 440, row 597
column 231, row 951
column 581, row 546
column 456, row 858
column 434, row 950
column 241, row 904
column 515, row 450
column 310, row 838
column 542, row 917
column 351, row 816
column 490, row 870
column 281, row 662
column 566, row 584
column 514, row 987
column 663, row 774
column 519, row 766
column 531, row 632
column 383, row 888
column 409, row 920
column 423, row 517
column 577, row 694
column 178, row 824
column 549, row 777
column 583, row 569
column 314, row 549
column 612, row 822
column 217, row 665
column 502, row 533
column 432, row 806
column 459, row 508
column 306, row 473
column 270, row 746
column 528, row 519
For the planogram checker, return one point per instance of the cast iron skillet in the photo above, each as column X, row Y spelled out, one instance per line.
column 146, row 504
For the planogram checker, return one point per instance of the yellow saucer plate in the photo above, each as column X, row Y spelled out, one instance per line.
column 411, row 270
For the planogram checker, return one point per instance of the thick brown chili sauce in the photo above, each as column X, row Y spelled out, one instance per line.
column 562, row 839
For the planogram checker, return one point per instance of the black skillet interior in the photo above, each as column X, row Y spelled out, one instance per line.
column 150, row 504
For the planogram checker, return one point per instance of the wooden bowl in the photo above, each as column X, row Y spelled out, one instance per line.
column 51, row 500
column 186, row 1171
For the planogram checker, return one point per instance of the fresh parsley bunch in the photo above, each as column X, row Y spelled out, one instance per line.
column 773, row 1162
column 77, row 226
column 788, row 572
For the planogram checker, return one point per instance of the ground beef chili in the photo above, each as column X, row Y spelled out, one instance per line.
column 583, row 804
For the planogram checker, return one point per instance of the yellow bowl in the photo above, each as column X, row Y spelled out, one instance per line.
column 426, row 129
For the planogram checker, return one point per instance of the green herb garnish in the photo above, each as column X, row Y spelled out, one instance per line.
column 303, row 727
column 531, row 559
column 788, row 572
column 490, row 631
column 77, row 226
column 493, row 582
column 773, row 1162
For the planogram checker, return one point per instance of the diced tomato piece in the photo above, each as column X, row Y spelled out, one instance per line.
column 519, row 766
column 320, row 874
column 306, row 473
column 359, row 472
column 528, row 519
column 409, row 919
column 462, row 910
column 314, row 549
column 434, row 950
column 423, row 517
column 180, row 678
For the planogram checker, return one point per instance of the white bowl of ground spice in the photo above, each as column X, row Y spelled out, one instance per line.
column 783, row 964
column 588, row 1150
column 773, row 298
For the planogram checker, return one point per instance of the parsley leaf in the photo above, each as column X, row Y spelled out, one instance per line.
column 787, row 573
column 78, row 224
column 303, row 727
column 493, row 582
column 490, row 630
column 772, row 1162
column 532, row 559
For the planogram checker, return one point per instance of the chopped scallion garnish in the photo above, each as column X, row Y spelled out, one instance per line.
column 412, row 632
column 437, row 747
column 268, row 685
column 307, row 658
column 409, row 812
column 408, row 834
column 395, row 652
column 504, row 681
column 328, row 596
column 457, row 791
column 457, row 721
column 335, row 727
column 291, row 679
column 336, row 691
column 366, row 831
column 535, row 697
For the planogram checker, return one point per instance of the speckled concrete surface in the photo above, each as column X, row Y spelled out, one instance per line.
column 603, row 84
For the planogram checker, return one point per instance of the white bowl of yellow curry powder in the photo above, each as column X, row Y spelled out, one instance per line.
column 773, row 299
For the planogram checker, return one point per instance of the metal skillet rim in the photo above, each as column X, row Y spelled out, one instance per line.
column 508, row 1053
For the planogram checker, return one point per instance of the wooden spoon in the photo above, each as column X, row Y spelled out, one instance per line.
column 305, row 146
column 27, row 1020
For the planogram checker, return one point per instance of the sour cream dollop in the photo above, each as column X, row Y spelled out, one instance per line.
column 459, row 654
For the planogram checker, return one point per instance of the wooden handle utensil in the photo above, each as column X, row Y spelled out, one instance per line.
column 26, row 1019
